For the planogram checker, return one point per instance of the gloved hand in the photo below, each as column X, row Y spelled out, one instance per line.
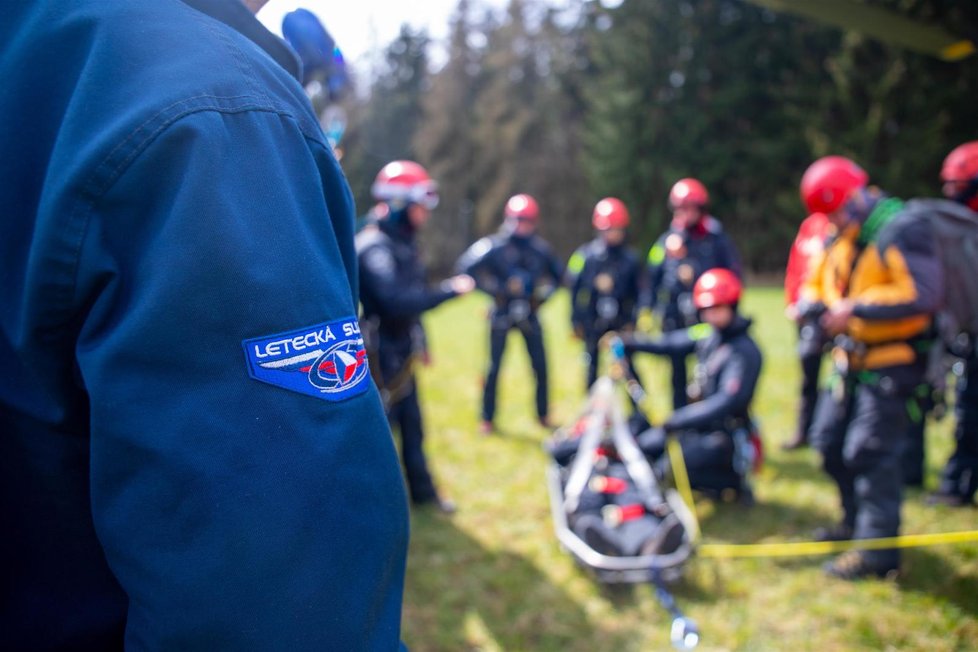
column 652, row 441
column 627, row 341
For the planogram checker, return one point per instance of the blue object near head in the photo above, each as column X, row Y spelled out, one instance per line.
column 337, row 80
column 307, row 36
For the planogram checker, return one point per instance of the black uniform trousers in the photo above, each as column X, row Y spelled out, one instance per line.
column 810, row 352
column 914, row 455
column 861, row 436
column 405, row 415
column 707, row 455
column 533, row 335
column 960, row 476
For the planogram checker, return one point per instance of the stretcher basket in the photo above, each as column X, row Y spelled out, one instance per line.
column 603, row 413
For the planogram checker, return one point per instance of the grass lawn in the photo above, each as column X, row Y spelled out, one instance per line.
column 493, row 577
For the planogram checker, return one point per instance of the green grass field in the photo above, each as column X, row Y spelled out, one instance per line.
column 493, row 577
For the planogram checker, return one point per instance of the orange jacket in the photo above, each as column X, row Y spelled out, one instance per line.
column 895, row 291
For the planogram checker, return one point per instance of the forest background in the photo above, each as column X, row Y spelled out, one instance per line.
column 576, row 102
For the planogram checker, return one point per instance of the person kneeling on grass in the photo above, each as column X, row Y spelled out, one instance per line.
column 715, row 429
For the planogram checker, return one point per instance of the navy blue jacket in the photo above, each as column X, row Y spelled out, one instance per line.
column 519, row 273
column 604, row 287
column 394, row 290
column 676, row 260
column 191, row 450
column 728, row 365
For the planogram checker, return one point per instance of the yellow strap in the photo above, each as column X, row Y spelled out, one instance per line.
column 795, row 548
column 799, row 548
column 682, row 482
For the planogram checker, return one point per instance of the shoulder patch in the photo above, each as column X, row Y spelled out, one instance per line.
column 326, row 361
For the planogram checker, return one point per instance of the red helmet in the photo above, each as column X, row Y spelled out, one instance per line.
column 609, row 213
column 961, row 169
column 962, row 163
column 688, row 192
column 827, row 183
column 522, row 206
column 716, row 287
column 405, row 182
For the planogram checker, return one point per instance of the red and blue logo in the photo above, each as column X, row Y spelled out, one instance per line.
column 327, row 361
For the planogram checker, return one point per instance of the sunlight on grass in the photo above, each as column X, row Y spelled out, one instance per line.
column 493, row 576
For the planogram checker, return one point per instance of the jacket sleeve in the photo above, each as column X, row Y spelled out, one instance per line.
column 736, row 385
column 475, row 262
column 380, row 281
column 915, row 283
column 679, row 342
column 229, row 508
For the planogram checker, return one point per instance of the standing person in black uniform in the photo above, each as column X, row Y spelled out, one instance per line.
column 959, row 480
column 715, row 431
column 694, row 243
column 517, row 268
column 394, row 293
column 603, row 276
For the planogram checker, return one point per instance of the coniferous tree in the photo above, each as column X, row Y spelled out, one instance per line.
column 507, row 121
column 383, row 126
column 899, row 113
column 445, row 141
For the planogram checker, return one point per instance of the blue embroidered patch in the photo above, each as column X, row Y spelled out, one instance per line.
column 327, row 361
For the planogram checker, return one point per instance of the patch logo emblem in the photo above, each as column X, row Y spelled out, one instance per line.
column 327, row 361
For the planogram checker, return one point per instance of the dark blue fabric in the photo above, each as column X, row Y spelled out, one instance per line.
column 533, row 336
column 727, row 370
column 405, row 414
column 861, row 435
column 168, row 195
column 603, row 294
column 520, row 273
column 394, row 293
column 960, row 475
column 671, row 277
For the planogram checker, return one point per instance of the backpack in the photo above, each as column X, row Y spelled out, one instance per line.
column 955, row 229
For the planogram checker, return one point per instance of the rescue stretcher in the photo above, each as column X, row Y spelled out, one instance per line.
column 603, row 419
column 602, row 413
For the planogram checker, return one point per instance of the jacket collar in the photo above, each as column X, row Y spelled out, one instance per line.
column 235, row 15
column 737, row 327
